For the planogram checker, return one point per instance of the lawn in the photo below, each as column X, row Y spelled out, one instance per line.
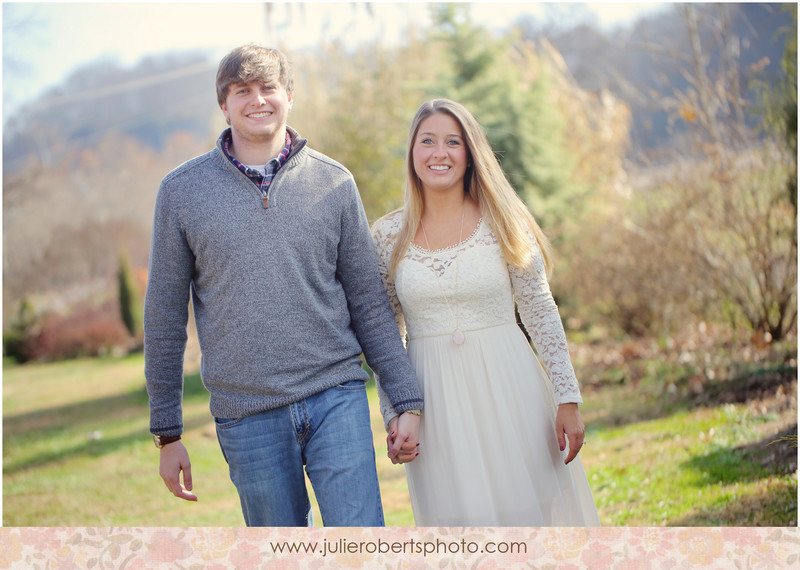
column 77, row 452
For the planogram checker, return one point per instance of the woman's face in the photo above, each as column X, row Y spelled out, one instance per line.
column 440, row 153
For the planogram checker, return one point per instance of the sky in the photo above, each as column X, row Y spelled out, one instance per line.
column 44, row 42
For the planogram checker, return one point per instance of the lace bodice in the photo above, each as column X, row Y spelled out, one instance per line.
column 469, row 285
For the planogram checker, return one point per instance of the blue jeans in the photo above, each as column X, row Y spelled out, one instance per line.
column 330, row 433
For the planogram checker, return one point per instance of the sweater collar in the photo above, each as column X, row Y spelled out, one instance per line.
column 298, row 144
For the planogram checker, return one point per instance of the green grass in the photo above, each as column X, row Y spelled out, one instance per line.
column 662, row 459
column 690, row 469
column 77, row 452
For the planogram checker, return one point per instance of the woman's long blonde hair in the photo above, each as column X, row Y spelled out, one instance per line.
column 484, row 181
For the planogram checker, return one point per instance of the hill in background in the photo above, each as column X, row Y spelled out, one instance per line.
column 163, row 95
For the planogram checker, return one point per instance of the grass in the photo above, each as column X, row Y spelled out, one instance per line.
column 690, row 469
column 77, row 452
column 723, row 453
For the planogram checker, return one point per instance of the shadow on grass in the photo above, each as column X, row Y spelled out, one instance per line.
column 758, row 460
column 653, row 403
column 41, row 424
column 761, row 508
column 770, row 460
column 88, row 448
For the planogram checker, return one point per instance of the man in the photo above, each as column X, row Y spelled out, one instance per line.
column 271, row 239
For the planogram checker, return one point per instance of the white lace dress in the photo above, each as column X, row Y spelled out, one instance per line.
column 488, row 449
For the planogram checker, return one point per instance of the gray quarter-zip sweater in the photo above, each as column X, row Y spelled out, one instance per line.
column 285, row 298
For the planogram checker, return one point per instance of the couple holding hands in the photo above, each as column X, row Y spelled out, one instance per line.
column 269, row 240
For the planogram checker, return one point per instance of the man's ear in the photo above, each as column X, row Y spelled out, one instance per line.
column 225, row 112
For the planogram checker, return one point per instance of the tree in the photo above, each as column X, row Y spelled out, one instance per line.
column 778, row 101
column 560, row 146
column 721, row 208
column 130, row 298
column 509, row 89
column 356, row 108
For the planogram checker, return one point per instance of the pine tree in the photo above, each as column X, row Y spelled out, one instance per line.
column 130, row 299
column 509, row 90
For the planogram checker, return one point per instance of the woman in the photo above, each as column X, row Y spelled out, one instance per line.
column 493, row 438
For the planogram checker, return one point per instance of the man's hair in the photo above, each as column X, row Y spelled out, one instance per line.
column 250, row 63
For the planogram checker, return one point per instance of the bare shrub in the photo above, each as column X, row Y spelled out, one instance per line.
column 735, row 229
column 87, row 331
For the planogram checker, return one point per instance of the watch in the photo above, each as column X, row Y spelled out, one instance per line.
column 162, row 440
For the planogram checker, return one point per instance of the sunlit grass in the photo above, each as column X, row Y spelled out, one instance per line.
column 77, row 452
column 698, row 467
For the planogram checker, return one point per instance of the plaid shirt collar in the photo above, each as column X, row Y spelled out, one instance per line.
column 262, row 179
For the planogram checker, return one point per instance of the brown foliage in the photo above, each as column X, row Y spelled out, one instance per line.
column 87, row 331
column 64, row 225
column 708, row 235
column 707, row 364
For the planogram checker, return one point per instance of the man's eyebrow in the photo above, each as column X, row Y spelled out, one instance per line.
column 269, row 83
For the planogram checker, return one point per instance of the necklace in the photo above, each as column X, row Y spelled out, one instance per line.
column 458, row 336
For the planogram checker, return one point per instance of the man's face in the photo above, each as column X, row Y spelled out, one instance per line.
column 257, row 111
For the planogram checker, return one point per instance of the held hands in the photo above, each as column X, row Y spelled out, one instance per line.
column 403, row 438
column 174, row 459
column 570, row 425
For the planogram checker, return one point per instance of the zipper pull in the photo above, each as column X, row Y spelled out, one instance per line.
column 265, row 201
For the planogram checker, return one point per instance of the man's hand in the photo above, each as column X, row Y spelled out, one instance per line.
column 403, row 438
column 174, row 459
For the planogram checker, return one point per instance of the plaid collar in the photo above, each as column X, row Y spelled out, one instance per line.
column 262, row 179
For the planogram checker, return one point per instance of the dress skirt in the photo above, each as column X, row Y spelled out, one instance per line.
column 488, row 449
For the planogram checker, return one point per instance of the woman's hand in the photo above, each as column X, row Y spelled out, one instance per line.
column 403, row 439
column 569, row 426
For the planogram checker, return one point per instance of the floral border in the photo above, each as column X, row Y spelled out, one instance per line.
column 286, row 548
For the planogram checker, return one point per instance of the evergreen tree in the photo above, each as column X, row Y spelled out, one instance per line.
column 130, row 300
column 509, row 89
column 789, row 88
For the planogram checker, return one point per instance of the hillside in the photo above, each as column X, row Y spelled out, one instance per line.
column 643, row 64
column 161, row 96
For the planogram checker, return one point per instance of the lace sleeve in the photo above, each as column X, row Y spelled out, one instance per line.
column 384, row 234
column 539, row 314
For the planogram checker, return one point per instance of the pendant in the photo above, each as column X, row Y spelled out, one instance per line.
column 458, row 337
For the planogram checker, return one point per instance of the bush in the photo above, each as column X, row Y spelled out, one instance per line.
column 20, row 329
column 87, row 331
